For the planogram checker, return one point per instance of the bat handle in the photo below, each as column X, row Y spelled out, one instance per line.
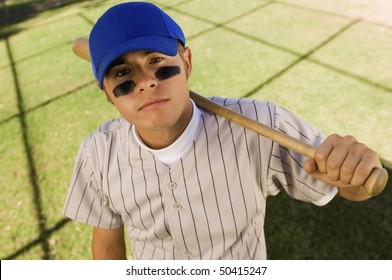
column 374, row 184
column 80, row 48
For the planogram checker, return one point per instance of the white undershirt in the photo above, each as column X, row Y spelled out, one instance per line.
column 175, row 151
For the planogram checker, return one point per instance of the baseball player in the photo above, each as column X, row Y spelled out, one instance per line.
column 186, row 183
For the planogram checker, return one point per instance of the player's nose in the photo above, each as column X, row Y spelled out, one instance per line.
column 145, row 80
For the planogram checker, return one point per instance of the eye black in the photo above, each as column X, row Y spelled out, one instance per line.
column 167, row 72
column 124, row 88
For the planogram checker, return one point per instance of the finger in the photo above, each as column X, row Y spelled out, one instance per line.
column 347, row 170
column 365, row 167
column 335, row 161
column 331, row 155
column 354, row 157
column 322, row 154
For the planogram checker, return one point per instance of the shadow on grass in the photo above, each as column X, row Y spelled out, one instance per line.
column 44, row 232
column 22, row 10
column 18, row 12
column 40, row 215
column 341, row 230
column 42, row 239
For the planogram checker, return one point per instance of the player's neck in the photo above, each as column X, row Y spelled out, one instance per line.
column 162, row 138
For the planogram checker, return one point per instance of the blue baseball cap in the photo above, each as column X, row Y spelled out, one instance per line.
column 131, row 27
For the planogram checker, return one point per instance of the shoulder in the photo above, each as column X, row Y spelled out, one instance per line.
column 107, row 132
column 271, row 115
column 241, row 102
column 97, row 148
column 109, row 128
column 263, row 111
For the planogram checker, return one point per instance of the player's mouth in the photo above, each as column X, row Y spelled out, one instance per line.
column 153, row 104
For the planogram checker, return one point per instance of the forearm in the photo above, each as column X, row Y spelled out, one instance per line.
column 108, row 244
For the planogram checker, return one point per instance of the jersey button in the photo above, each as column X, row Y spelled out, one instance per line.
column 177, row 206
column 105, row 200
column 188, row 253
column 172, row 185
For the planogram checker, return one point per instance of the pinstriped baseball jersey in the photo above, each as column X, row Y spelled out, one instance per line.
column 211, row 203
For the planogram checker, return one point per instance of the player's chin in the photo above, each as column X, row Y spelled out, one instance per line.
column 158, row 121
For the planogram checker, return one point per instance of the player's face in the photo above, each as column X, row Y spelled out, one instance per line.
column 151, row 90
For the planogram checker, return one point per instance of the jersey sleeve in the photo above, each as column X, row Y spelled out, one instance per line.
column 285, row 170
column 85, row 202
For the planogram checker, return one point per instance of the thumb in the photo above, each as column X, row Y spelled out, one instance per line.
column 310, row 167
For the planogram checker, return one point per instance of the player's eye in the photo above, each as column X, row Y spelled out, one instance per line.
column 122, row 72
column 155, row 60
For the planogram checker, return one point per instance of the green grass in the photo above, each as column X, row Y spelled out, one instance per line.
column 49, row 102
column 340, row 230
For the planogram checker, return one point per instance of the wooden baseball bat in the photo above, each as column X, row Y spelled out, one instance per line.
column 374, row 185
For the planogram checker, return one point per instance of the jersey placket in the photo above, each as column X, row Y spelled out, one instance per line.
column 179, row 216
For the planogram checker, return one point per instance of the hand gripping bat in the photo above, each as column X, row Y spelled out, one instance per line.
column 374, row 184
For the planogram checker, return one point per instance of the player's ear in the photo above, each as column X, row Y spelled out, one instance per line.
column 187, row 57
column 106, row 94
